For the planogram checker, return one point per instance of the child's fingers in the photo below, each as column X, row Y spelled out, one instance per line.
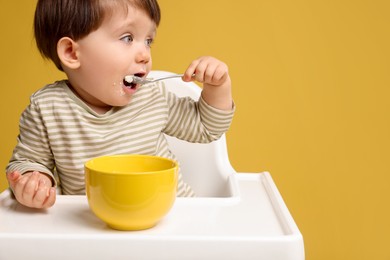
column 195, row 72
column 31, row 185
column 31, row 189
column 191, row 70
column 41, row 195
column 220, row 73
column 201, row 71
column 209, row 74
column 13, row 177
column 207, row 70
column 45, row 195
column 18, row 187
column 51, row 199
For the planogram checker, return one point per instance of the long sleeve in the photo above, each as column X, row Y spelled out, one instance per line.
column 32, row 152
column 195, row 121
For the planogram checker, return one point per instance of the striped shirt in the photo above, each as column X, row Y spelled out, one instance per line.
column 59, row 132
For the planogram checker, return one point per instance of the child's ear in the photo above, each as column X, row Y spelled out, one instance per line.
column 67, row 50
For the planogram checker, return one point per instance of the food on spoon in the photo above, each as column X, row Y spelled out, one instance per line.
column 129, row 81
column 129, row 78
column 132, row 80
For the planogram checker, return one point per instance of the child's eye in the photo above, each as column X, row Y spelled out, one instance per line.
column 148, row 42
column 127, row 38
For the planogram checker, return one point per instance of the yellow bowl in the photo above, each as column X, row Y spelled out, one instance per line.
column 131, row 192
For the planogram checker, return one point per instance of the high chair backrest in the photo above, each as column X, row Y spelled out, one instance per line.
column 205, row 167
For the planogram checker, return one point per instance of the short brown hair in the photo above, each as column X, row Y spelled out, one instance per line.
column 55, row 19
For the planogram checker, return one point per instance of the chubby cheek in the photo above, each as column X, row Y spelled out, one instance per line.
column 106, row 81
column 109, row 91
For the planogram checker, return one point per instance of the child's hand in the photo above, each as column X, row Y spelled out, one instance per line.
column 32, row 189
column 214, row 75
column 207, row 70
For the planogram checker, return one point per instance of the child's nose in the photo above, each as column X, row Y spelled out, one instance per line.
column 143, row 54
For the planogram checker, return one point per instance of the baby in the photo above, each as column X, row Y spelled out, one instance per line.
column 95, row 112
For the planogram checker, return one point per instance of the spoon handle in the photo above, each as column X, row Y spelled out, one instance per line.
column 142, row 81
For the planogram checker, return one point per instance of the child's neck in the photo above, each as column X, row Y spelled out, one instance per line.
column 101, row 110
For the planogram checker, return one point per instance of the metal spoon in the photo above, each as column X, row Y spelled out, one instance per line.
column 141, row 81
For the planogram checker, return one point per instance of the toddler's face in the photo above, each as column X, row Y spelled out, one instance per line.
column 119, row 47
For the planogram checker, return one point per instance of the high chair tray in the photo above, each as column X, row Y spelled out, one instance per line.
column 254, row 225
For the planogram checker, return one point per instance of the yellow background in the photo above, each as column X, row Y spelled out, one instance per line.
column 312, row 89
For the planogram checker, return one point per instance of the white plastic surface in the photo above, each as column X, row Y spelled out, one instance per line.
column 234, row 216
column 255, row 226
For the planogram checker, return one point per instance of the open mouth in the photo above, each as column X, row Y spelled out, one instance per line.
column 129, row 81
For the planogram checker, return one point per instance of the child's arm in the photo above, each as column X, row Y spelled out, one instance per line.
column 215, row 77
column 32, row 189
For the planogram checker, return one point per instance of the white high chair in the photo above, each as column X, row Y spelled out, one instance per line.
column 234, row 216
